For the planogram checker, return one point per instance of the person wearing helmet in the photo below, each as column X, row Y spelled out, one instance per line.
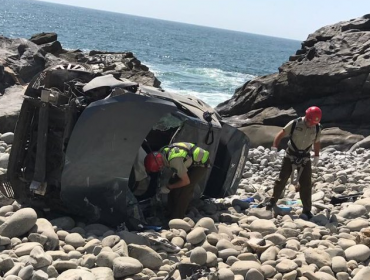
column 303, row 133
column 189, row 164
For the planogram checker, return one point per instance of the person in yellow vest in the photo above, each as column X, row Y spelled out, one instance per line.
column 189, row 164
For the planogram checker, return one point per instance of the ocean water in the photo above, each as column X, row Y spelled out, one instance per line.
column 206, row 62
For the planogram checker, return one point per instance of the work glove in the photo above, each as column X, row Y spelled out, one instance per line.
column 274, row 153
column 164, row 190
column 315, row 160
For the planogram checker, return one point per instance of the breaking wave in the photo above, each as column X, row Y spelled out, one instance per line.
column 213, row 85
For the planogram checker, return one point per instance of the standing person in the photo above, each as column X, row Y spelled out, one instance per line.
column 189, row 164
column 304, row 133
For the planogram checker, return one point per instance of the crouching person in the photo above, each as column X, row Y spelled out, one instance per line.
column 189, row 165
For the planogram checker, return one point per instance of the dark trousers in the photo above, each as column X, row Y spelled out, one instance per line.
column 305, row 190
column 179, row 199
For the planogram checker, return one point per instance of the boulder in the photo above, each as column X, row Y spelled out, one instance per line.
column 198, row 255
column 317, row 257
column 75, row 239
column 263, row 226
column 66, row 223
column 38, row 258
column 105, row 259
column 353, row 211
column 7, row 137
column 19, row 223
column 76, row 274
column 242, row 267
column 43, row 38
column 331, row 70
column 362, row 274
column 358, row 253
column 102, row 273
column 45, row 228
column 124, row 266
column 10, row 106
column 146, row 255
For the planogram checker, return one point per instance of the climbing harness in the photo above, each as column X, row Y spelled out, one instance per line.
column 298, row 158
column 298, row 164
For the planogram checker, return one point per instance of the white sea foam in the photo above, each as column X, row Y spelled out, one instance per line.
column 209, row 84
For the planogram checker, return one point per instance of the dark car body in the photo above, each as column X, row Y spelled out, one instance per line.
column 79, row 133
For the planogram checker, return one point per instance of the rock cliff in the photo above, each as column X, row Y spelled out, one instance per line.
column 331, row 70
column 22, row 59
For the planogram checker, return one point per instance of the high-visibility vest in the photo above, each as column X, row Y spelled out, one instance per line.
column 184, row 150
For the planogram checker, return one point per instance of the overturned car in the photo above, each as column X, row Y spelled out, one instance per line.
column 79, row 135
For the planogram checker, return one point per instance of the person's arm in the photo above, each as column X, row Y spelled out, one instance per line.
column 316, row 148
column 317, row 143
column 183, row 181
column 278, row 137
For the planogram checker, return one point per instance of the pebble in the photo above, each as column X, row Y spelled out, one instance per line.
column 228, row 235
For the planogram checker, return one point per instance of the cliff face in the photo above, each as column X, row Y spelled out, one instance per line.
column 331, row 70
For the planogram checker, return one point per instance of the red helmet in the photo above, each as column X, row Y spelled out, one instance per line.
column 154, row 162
column 313, row 115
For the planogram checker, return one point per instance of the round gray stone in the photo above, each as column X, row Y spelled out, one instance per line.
column 358, row 253
column 225, row 274
column 254, row 274
column 19, row 223
column 80, row 274
column 146, row 255
column 125, row 266
column 198, row 255
column 75, row 239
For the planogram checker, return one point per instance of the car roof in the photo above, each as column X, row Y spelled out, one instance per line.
column 188, row 103
column 191, row 103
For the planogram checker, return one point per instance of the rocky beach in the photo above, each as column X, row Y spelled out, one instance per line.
column 225, row 238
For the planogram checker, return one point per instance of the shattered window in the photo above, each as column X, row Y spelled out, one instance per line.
column 167, row 122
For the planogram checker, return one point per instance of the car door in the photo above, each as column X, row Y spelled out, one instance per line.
column 229, row 163
column 105, row 141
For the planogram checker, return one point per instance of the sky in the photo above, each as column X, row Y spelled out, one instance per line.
column 291, row 19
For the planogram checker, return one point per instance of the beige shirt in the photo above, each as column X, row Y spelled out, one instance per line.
column 179, row 166
column 303, row 136
column 139, row 168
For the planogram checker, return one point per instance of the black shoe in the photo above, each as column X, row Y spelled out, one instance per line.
column 308, row 214
column 270, row 205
